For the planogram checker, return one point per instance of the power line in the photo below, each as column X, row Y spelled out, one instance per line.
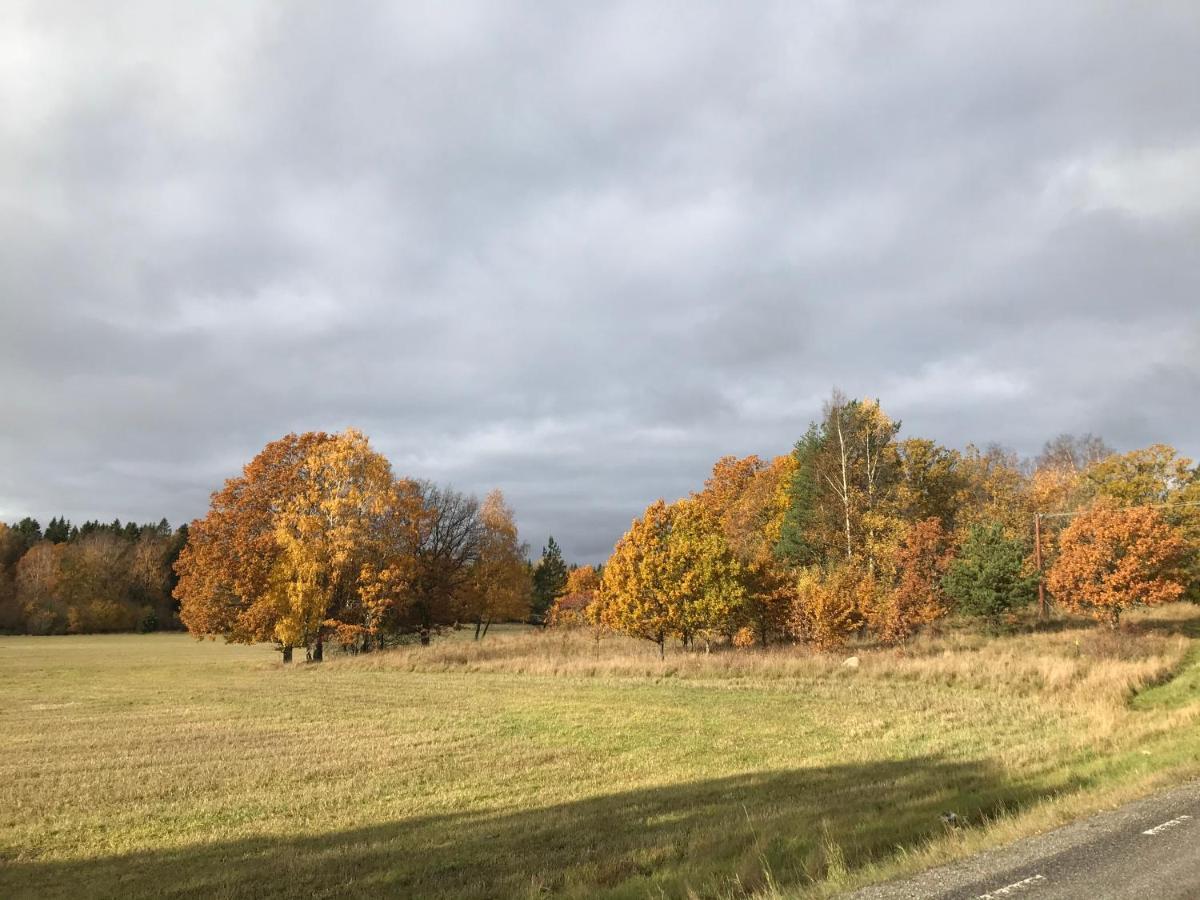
column 1068, row 515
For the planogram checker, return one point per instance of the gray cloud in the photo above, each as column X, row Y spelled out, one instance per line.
column 578, row 252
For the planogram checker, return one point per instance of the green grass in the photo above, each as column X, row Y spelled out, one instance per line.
column 158, row 766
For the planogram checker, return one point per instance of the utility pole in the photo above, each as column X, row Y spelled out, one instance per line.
column 1037, row 555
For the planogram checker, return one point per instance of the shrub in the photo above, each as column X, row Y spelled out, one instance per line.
column 743, row 638
column 828, row 605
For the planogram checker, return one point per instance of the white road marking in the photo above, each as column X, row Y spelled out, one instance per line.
column 1158, row 829
column 1014, row 888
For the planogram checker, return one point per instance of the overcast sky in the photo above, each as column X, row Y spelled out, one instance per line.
column 578, row 251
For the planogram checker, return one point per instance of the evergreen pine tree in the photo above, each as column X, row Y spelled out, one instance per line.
column 549, row 579
column 795, row 545
column 58, row 531
column 988, row 577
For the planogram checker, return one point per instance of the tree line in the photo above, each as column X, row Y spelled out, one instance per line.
column 858, row 532
column 86, row 578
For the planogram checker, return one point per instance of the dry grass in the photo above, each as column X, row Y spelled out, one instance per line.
column 1095, row 666
column 152, row 765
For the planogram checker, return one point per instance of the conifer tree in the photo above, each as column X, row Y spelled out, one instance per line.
column 988, row 578
column 549, row 579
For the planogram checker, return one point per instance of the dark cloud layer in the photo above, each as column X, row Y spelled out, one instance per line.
column 577, row 251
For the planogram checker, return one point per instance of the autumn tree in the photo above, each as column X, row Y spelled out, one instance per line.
column 318, row 539
column 388, row 579
column 671, row 575
column 1155, row 476
column 1111, row 559
column 747, row 501
column 1054, row 490
column 636, row 595
column 324, row 529
column 917, row 598
column 582, row 580
column 930, row 483
column 995, row 491
column 1150, row 476
column 39, row 577
column 829, row 601
column 703, row 577
column 989, row 577
column 573, row 607
column 500, row 584
column 231, row 577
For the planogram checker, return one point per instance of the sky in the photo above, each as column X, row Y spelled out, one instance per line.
column 578, row 251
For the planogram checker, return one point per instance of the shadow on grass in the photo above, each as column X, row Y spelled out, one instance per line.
column 717, row 837
column 1189, row 627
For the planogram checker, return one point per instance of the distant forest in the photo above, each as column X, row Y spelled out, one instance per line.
column 93, row 577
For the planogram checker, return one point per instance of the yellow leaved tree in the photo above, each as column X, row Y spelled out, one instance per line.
column 500, row 586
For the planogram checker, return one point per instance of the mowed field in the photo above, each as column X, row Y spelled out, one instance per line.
column 155, row 765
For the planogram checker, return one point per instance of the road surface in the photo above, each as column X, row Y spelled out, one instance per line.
column 1149, row 850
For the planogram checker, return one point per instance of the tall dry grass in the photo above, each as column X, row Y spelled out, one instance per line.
column 1072, row 661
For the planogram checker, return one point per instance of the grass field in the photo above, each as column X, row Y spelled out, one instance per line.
column 153, row 765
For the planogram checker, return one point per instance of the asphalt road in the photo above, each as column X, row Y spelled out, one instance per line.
column 1146, row 850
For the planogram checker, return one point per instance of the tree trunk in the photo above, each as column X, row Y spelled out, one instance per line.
column 478, row 626
column 845, row 486
column 871, row 470
column 1114, row 619
column 287, row 654
column 486, row 626
column 319, row 650
column 662, row 646
column 424, row 637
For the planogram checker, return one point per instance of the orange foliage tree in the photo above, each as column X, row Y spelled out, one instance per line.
column 917, row 598
column 571, row 607
column 317, row 539
column 746, row 500
column 1111, row 559
column 225, row 571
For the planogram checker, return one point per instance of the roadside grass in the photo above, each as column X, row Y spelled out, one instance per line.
column 542, row 762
